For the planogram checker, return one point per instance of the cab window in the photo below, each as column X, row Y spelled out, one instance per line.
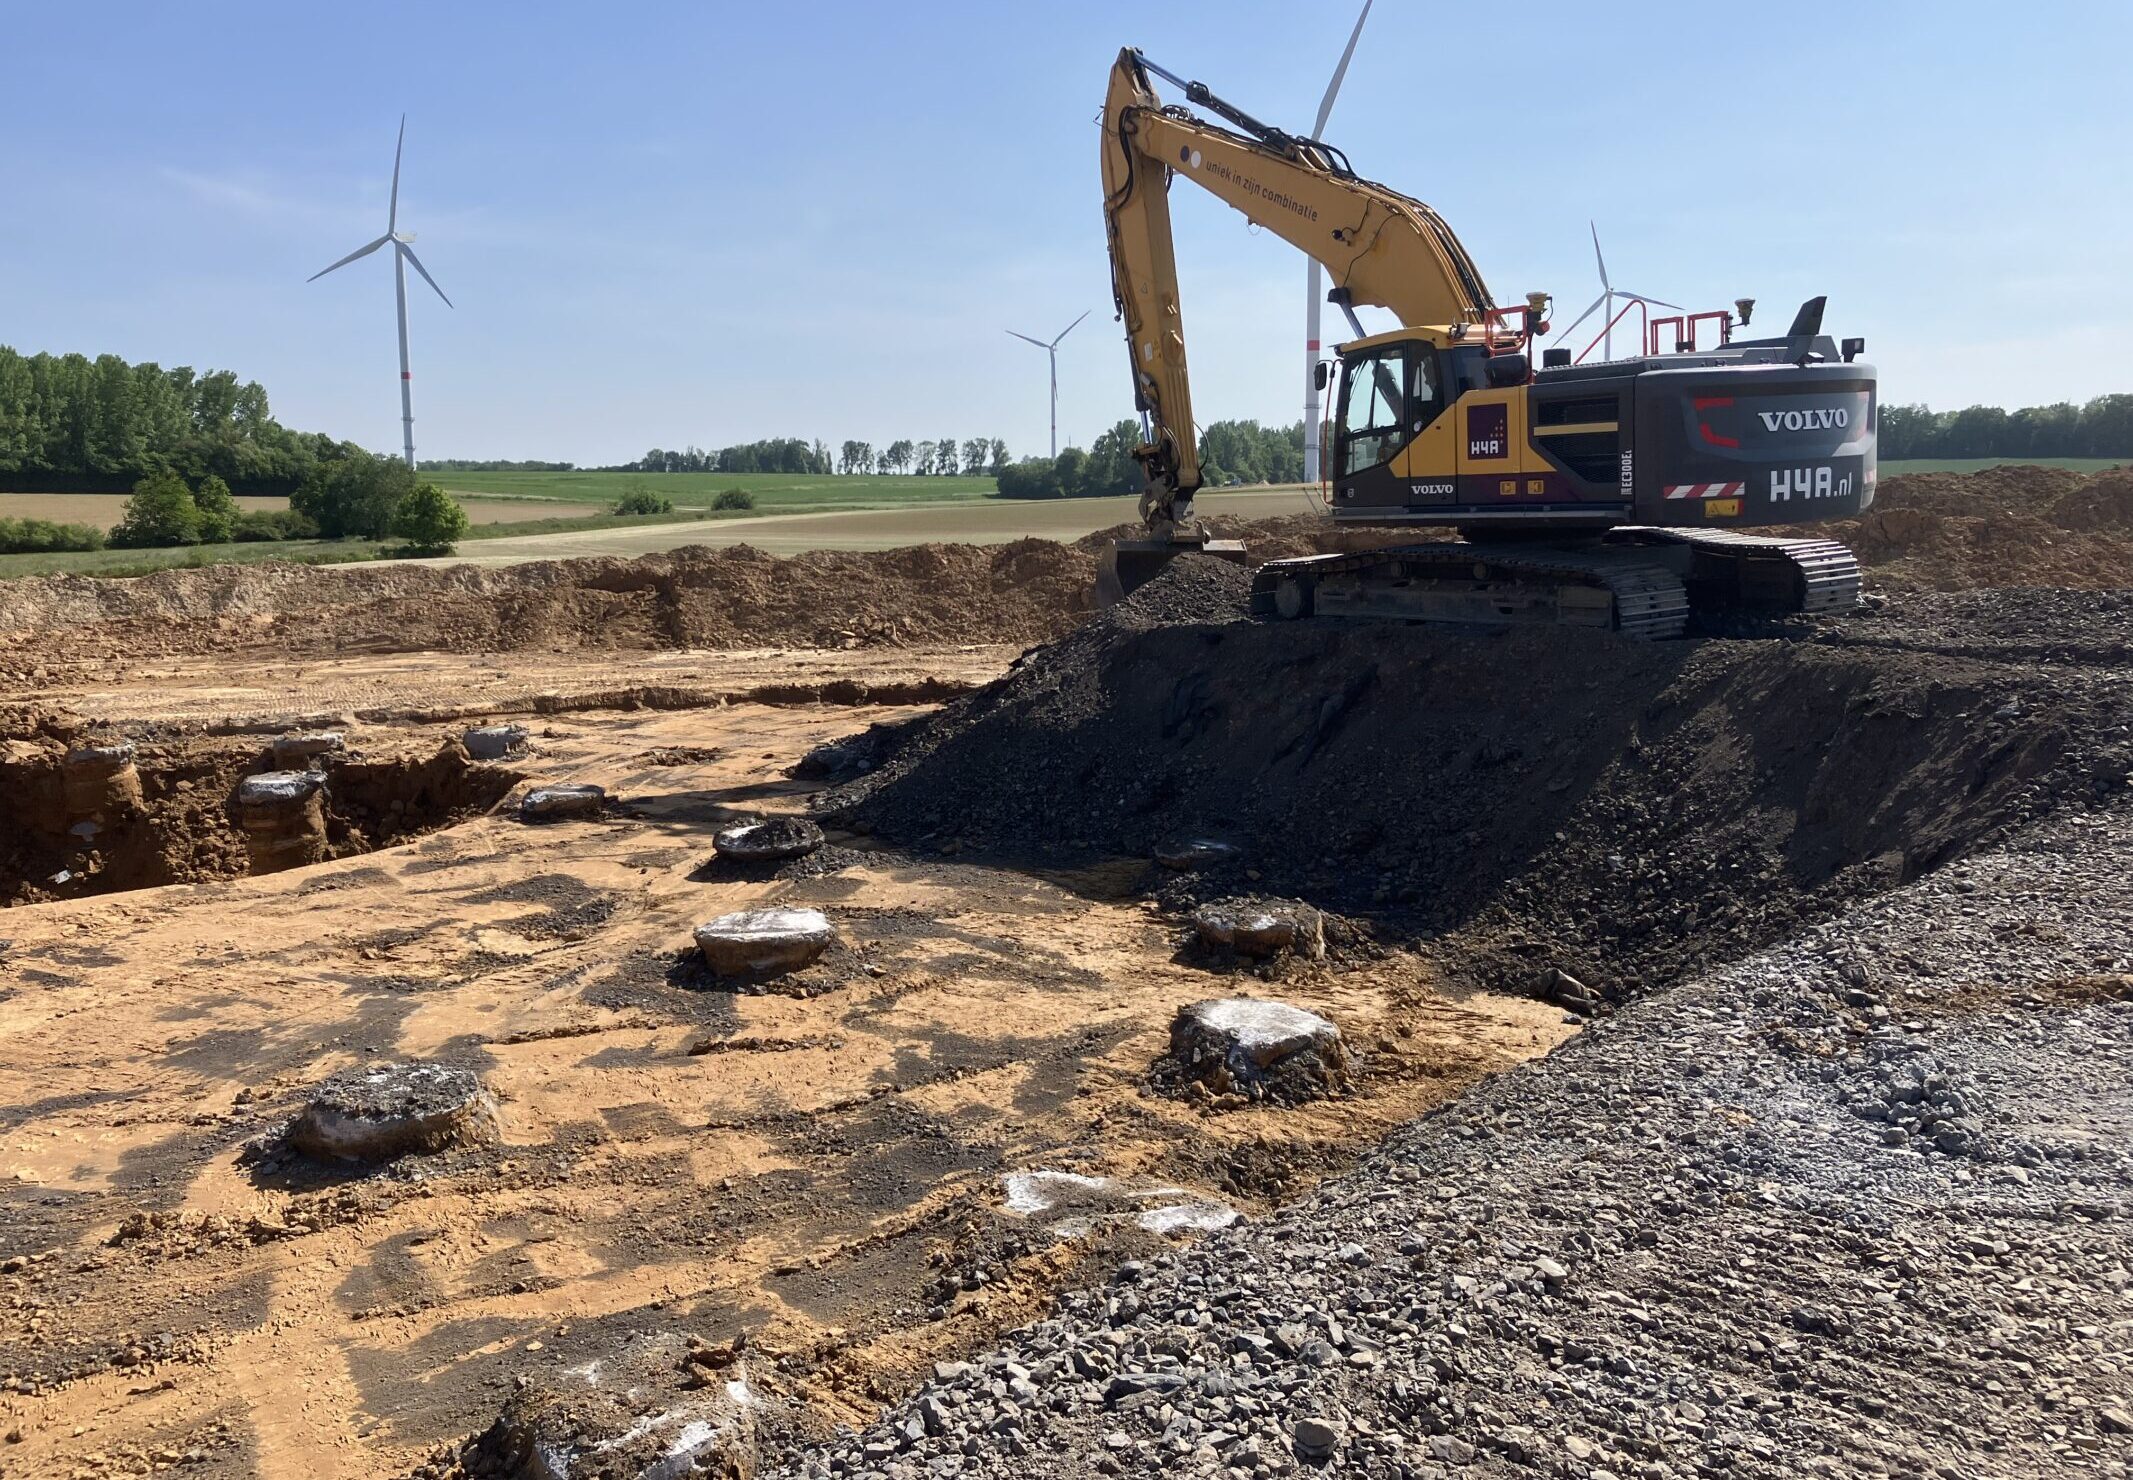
column 1386, row 398
column 1373, row 409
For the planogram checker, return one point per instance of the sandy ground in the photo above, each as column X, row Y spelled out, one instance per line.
column 822, row 1172
column 987, row 522
column 104, row 510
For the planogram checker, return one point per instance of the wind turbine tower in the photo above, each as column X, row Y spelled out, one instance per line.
column 403, row 257
column 1608, row 295
column 1051, row 350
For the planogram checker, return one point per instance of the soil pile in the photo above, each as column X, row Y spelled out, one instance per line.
column 2009, row 526
column 696, row 597
column 1527, row 801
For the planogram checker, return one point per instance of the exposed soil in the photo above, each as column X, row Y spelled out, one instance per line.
column 822, row 1173
column 1836, row 1184
column 2006, row 526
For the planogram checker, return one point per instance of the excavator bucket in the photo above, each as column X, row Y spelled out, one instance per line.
column 1127, row 565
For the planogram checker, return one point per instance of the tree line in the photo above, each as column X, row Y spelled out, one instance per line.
column 2100, row 428
column 1230, row 452
column 82, row 425
column 974, row 457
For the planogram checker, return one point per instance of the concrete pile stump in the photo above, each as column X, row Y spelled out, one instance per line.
column 1261, row 930
column 302, row 747
column 283, row 814
column 771, row 840
column 662, row 1407
column 495, row 742
column 100, row 782
column 1259, row 1049
column 391, row 1110
column 556, row 803
column 755, row 944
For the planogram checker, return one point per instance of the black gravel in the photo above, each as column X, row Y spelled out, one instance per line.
column 1857, row 1205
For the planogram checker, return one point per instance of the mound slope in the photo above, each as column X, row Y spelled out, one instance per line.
column 1529, row 800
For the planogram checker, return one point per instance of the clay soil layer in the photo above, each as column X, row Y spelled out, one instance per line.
column 822, row 1172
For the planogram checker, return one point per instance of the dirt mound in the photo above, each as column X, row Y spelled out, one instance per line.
column 1535, row 800
column 694, row 597
column 2007, row 526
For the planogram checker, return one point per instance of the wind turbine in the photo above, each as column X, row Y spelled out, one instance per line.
column 403, row 255
column 1052, row 350
column 1608, row 295
column 1311, row 281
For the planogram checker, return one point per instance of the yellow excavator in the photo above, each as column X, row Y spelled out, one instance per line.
column 1611, row 494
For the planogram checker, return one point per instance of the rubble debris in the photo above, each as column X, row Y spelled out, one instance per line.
column 1259, row 1049
column 496, row 742
column 771, row 840
column 1072, row 1205
column 662, row 1407
column 389, row 1110
column 101, row 781
column 760, row 943
column 555, row 803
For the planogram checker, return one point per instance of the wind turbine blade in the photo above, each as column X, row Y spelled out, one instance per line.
column 392, row 214
column 1596, row 255
column 416, row 262
column 1027, row 340
column 1325, row 106
column 358, row 252
column 1655, row 302
column 1581, row 318
column 1063, row 333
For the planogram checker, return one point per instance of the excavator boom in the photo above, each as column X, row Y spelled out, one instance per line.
column 1380, row 247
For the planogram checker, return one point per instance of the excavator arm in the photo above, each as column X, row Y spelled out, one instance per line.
column 1380, row 248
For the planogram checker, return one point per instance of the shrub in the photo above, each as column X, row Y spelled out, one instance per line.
column 354, row 497
column 272, row 524
column 161, row 512
column 42, row 536
column 734, row 498
column 644, row 501
column 218, row 511
column 430, row 520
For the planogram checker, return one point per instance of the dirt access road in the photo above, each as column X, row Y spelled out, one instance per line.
column 983, row 522
column 822, row 1172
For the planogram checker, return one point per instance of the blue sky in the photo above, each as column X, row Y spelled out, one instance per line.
column 674, row 223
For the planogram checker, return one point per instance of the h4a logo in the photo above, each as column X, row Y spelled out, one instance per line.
column 1817, row 482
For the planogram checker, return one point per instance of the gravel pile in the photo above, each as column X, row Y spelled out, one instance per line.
column 1856, row 1205
column 1532, row 801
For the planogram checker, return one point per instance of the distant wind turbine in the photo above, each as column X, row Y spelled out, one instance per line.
column 1052, row 350
column 1608, row 295
column 403, row 255
column 1311, row 279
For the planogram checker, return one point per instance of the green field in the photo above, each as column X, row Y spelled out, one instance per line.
column 142, row 562
column 782, row 493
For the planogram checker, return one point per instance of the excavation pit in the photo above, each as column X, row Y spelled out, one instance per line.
column 102, row 819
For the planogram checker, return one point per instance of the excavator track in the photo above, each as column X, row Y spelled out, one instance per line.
column 1726, row 571
column 1641, row 582
column 1482, row 585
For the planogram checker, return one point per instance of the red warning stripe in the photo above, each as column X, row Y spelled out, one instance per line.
column 1704, row 490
